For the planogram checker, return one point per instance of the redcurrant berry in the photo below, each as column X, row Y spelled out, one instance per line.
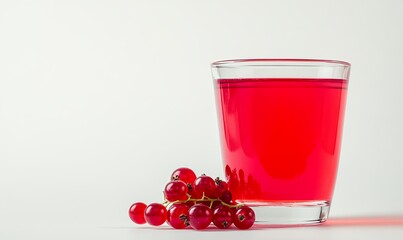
column 222, row 217
column 176, row 190
column 178, row 215
column 221, row 186
column 190, row 203
column 205, row 184
column 136, row 212
column 244, row 217
column 226, row 197
column 193, row 193
column 155, row 214
column 185, row 174
column 200, row 216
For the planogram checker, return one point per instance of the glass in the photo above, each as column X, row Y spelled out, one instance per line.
column 280, row 126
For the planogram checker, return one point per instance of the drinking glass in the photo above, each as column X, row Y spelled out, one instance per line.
column 280, row 124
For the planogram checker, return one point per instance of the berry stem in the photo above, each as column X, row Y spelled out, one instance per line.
column 167, row 203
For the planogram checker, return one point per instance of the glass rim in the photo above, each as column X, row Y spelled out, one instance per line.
column 278, row 62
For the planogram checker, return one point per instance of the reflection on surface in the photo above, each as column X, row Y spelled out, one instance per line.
column 358, row 221
column 365, row 221
column 241, row 186
column 337, row 222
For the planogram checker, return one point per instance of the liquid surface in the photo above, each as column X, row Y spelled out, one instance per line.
column 281, row 137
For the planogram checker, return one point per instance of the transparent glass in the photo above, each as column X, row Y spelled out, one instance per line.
column 280, row 125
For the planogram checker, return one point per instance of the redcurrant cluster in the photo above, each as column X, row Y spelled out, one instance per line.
column 196, row 202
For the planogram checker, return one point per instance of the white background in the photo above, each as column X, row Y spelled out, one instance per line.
column 101, row 100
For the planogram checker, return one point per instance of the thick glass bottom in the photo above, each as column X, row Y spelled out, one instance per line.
column 290, row 213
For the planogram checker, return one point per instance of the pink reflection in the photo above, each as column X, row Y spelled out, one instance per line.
column 364, row 221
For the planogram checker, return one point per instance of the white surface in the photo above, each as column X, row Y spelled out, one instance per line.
column 101, row 100
column 300, row 233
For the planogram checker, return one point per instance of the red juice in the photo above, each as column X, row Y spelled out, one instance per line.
column 281, row 137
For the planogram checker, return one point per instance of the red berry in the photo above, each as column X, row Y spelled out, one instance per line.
column 190, row 203
column 198, row 202
column 222, row 217
column 226, row 197
column 136, row 212
column 216, row 204
column 185, row 174
column 176, row 190
column 200, row 216
column 222, row 186
column 244, row 217
column 205, row 184
column 155, row 214
column 193, row 194
column 178, row 215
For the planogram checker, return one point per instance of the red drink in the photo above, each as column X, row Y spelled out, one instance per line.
column 281, row 137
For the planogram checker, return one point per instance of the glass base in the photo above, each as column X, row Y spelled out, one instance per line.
column 290, row 213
